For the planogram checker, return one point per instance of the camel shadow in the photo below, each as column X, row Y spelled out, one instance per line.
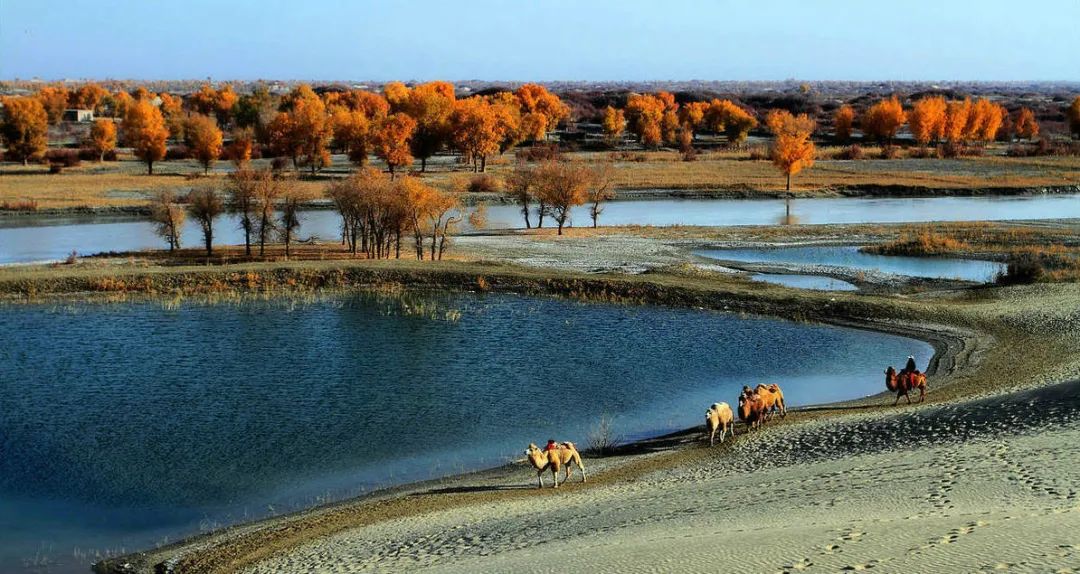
column 474, row 489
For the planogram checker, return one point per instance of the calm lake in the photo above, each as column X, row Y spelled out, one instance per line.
column 126, row 425
column 850, row 256
column 25, row 239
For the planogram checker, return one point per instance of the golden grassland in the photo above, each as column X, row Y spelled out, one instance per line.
column 125, row 184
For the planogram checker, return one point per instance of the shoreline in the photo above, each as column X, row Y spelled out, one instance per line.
column 217, row 551
column 633, row 194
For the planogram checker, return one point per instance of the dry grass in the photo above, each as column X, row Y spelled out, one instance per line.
column 124, row 183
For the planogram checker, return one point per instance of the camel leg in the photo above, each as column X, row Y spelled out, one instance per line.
column 540, row 478
column 712, row 437
column 897, row 401
column 555, row 477
column 581, row 467
column 908, row 397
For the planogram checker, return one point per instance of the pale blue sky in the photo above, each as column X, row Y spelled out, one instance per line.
column 541, row 39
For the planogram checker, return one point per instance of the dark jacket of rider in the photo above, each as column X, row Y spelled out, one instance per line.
column 910, row 367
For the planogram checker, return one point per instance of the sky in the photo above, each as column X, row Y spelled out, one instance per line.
column 541, row 40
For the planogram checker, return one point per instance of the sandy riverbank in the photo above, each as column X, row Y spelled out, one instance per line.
column 672, row 505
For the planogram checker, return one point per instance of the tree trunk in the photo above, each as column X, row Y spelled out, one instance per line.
column 247, row 239
column 483, row 163
column 150, row 167
column 209, row 237
column 423, row 164
column 789, row 181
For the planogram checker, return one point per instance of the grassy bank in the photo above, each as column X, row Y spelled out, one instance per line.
column 123, row 185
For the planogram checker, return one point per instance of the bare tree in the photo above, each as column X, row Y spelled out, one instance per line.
column 242, row 186
column 520, row 186
column 205, row 205
column 292, row 198
column 561, row 187
column 168, row 217
column 267, row 193
column 599, row 191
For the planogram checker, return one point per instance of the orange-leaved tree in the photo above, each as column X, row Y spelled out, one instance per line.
column 145, row 132
column 24, row 128
column 87, row 97
column 476, row 130
column 560, row 186
column 843, row 122
column 55, row 100
column 302, row 130
column 202, row 136
column 1026, row 126
column 1073, row 113
column 883, row 119
column 645, row 113
column 430, row 105
column 927, row 119
column 613, row 124
column 956, row 119
column 792, row 151
column 391, row 141
column 103, row 137
column 727, row 117
column 541, row 111
column 352, row 131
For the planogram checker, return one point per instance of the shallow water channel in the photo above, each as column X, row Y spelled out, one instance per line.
column 128, row 424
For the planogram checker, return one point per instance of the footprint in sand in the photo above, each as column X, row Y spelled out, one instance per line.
column 858, row 567
column 798, row 566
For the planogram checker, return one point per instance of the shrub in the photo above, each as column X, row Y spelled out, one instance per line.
column 279, row 163
column 179, row 151
column 602, row 439
column 55, row 168
column 87, row 154
column 852, row 152
column 63, row 157
column 21, row 205
column 924, row 243
column 1022, row 268
column 538, row 152
column 636, row 157
column 110, row 155
column 890, row 152
column 484, row 183
column 923, row 152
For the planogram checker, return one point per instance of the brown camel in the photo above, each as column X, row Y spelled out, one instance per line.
column 904, row 382
column 555, row 460
column 774, row 399
column 719, row 417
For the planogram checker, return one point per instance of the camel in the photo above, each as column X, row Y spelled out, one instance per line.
column 555, row 460
column 774, row 399
column 751, row 409
column 719, row 416
column 904, row 382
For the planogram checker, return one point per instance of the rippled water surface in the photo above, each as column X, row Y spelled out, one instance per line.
column 124, row 425
column 818, row 282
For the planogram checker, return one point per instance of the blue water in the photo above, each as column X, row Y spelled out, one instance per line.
column 25, row 239
column 126, row 425
column 851, row 257
column 818, row 282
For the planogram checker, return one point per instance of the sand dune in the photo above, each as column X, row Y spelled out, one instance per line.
column 986, row 485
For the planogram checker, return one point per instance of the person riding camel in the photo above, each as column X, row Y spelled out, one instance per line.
column 911, row 367
column 551, row 445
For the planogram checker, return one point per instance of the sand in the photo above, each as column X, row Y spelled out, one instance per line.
column 987, row 485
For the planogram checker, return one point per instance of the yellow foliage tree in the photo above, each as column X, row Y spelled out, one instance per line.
column 956, row 119
column 476, row 130
column 843, row 122
column 883, row 119
column 145, row 132
column 87, row 97
column 645, row 112
column 55, row 101
column 103, row 137
column 430, row 105
column 204, row 139
column 613, row 124
column 724, row 116
column 1026, row 126
column 545, row 108
column 24, row 128
column 927, row 119
column 391, row 141
column 792, row 151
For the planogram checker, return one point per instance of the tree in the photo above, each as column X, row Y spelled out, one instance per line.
column 243, row 184
column 103, row 137
column 239, row 150
column 544, row 109
column 25, row 128
column 956, row 120
column 168, row 215
column 724, row 116
column 927, row 119
column 256, row 110
column 883, row 119
column 267, row 192
column 120, row 103
column 431, row 105
column 145, row 132
column 391, row 141
column 352, row 134
column 443, row 214
column 561, row 186
column 205, row 205
column 476, row 130
column 204, row 139
column 55, row 101
column 600, row 190
column 614, row 124
column 1073, row 113
column 301, row 131
column 1025, row 125
column 644, row 113
column 843, row 121
column 521, row 187
column 87, row 97
column 292, row 199
column 792, row 150
column 984, row 121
